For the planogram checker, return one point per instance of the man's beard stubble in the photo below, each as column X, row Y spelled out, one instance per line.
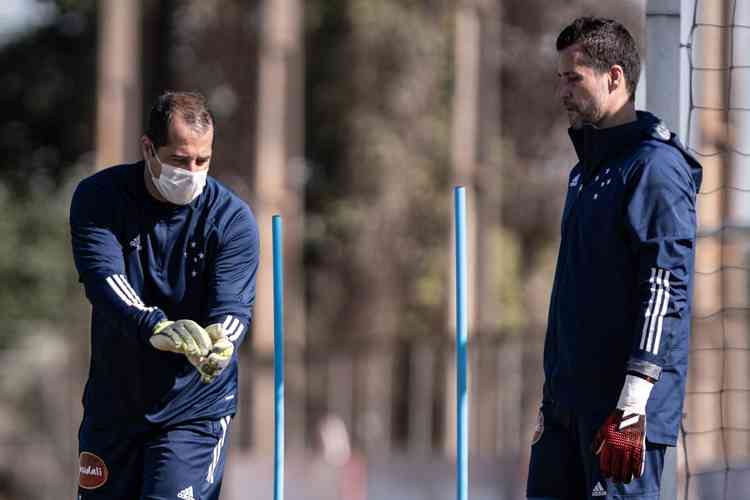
column 578, row 116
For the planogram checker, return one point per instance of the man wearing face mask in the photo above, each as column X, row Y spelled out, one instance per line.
column 168, row 258
column 616, row 349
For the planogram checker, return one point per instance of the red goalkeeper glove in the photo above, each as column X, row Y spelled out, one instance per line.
column 620, row 442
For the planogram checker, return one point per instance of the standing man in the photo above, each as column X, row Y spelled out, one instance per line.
column 168, row 258
column 616, row 350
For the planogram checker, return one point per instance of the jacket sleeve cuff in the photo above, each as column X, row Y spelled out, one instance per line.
column 234, row 325
column 147, row 328
column 646, row 368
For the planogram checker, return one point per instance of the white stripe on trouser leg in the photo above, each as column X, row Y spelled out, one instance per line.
column 647, row 316
column 217, row 450
column 214, row 460
column 111, row 282
column 237, row 333
column 663, row 312
column 657, row 308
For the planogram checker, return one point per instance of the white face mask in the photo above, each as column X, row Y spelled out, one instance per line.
column 178, row 185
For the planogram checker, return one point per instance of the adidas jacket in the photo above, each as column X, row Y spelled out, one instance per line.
column 621, row 299
column 142, row 261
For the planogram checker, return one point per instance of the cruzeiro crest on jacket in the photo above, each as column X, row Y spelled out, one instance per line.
column 574, row 181
column 195, row 256
column 601, row 182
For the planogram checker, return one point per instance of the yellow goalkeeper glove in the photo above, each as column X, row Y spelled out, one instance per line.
column 182, row 336
column 218, row 358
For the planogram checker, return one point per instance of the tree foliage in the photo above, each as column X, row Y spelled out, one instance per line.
column 35, row 256
column 46, row 134
column 378, row 142
column 49, row 84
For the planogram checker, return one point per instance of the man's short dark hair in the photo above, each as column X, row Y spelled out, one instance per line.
column 604, row 43
column 190, row 106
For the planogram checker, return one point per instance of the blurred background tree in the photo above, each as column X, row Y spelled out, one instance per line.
column 45, row 134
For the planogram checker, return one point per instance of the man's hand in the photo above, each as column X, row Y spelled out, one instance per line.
column 621, row 440
column 218, row 358
column 621, row 446
column 182, row 336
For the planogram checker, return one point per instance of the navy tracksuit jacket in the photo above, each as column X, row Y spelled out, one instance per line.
column 622, row 293
column 142, row 261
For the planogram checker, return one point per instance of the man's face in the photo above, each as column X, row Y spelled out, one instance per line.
column 186, row 147
column 583, row 92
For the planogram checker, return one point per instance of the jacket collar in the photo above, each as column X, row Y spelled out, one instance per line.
column 595, row 145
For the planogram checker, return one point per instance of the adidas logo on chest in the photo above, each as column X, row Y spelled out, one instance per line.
column 186, row 494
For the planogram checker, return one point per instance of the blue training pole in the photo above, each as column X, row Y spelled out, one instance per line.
column 278, row 358
column 462, row 408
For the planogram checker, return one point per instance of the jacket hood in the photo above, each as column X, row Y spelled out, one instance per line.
column 594, row 145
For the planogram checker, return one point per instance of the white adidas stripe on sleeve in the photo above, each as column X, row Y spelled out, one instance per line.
column 237, row 334
column 122, row 288
column 227, row 321
column 647, row 316
column 658, row 304
column 657, row 308
column 127, row 290
column 233, row 327
column 116, row 288
column 662, row 313
column 130, row 287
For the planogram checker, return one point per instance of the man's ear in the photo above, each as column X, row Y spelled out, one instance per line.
column 616, row 78
column 147, row 147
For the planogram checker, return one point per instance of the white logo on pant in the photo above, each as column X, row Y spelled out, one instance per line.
column 598, row 490
column 186, row 494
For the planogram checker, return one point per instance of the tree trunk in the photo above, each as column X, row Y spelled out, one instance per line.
column 118, row 119
column 279, row 186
